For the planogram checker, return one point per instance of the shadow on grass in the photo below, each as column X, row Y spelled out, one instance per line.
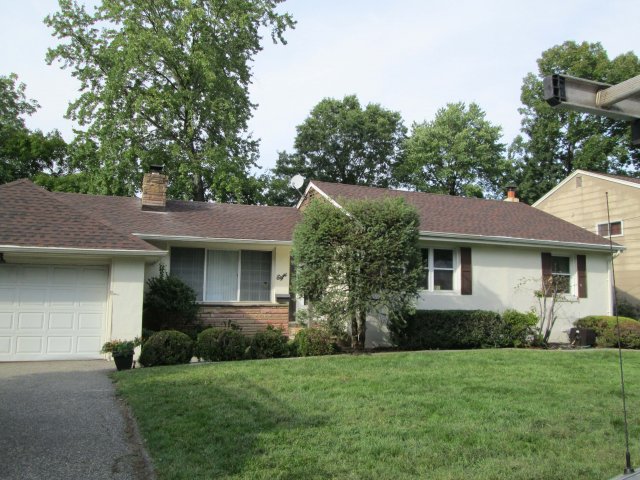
column 221, row 428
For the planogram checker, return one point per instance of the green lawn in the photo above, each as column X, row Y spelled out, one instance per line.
column 483, row 414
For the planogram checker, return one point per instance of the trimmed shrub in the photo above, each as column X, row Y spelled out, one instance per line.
column 168, row 347
column 218, row 344
column 270, row 343
column 606, row 334
column 449, row 329
column 312, row 341
column 170, row 304
column 519, row 327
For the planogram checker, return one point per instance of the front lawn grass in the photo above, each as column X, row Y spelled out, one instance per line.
column 482, row 414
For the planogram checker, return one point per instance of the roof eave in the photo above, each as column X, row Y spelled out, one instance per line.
column 115, row 252
column 185, row 238
column 522, row 242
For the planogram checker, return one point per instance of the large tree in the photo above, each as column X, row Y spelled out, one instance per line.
column 343, row 142
column 556, row 142
column 166, row 81
column 24, row 153
column 362, row 259
column 457, row 153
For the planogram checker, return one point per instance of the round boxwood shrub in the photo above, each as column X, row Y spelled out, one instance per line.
column 270, row 343
column 218, row 344
column 313, row 341
column 168, row 347
column 606, row 330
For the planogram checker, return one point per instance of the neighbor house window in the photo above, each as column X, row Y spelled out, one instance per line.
column 613, row 228
column 561, row 273
column 224, row 275
column 437, row 268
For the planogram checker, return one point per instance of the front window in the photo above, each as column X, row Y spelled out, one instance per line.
column 224, row 275
column 438, row 268
column 613, row 229
column 561, row 274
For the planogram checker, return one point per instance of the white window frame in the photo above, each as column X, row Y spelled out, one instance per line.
column 609, row 228
column 237, row 299
column 455, row 271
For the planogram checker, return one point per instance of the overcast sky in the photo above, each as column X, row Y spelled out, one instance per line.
column 409, row 56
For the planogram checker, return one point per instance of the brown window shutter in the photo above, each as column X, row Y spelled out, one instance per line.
column 547, row 276
column 582, row 276
column 465, row 268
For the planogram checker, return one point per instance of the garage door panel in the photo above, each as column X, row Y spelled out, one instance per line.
column 6, row 320
column 51, row 311
column 58, row 345
column 31, row 320
column 61, row 321
column 32, row 296
column 31, row 345
column 89, row 344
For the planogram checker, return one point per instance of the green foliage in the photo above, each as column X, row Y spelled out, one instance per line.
column 606, row 330
column 343, row 142
column 169, row 303
column 519, row 327
column 166, row 82
column 313, row 341
column 120, row 348
column 220, row 344
column 14, row 103
column 270, row 343
column 458, row 153
column 626, row 309
column 556, row 142
column 168, row 347
column 363, row 259
column 449, row 329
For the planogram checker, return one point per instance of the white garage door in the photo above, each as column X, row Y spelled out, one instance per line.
column 50, row 312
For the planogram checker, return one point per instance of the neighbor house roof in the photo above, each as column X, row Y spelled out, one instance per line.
column 474, row 218
column 32, row 216
column 619, row 179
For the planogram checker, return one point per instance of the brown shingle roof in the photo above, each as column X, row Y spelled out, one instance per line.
column 32, row 216
column 474, row 216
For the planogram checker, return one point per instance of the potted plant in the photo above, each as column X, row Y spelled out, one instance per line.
column 121, row 351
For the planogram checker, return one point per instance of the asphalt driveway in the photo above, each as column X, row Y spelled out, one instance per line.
column 61, row 420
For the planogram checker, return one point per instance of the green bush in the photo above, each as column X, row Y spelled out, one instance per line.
column 168, row 347
column 312, row 341
column 270, row 343
column 449, row 329
column 519, row 327
column 170, row 304
column 606, row 332
column 218, row 344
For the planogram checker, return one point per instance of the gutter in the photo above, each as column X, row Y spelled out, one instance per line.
column 524, row 242
column 182, row 238
column 83, row 251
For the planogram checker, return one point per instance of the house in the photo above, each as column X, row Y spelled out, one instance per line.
column 73, row 267
column 581, row 199
column 493, row 255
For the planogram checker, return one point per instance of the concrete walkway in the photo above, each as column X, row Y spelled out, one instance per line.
column 62, row 420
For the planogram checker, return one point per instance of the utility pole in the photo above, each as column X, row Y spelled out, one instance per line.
column 620, row 101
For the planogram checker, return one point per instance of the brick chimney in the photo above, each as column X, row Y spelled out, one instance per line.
column 511, row 194
column 154, row 189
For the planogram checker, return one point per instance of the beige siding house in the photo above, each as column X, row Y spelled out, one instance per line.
column 581, row 199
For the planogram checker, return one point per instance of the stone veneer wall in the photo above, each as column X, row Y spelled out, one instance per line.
column 251, row 318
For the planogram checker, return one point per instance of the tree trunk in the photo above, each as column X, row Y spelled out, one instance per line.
column 354, row 330
column 198, row 189
column 362, row 329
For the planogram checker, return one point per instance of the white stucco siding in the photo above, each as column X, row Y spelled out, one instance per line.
column 507, row 277
column 126, row 294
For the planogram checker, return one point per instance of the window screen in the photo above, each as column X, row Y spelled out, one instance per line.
column 442, row 269
column 255, row 276
column 222, row 276
column 561, row 272
column 188, row 265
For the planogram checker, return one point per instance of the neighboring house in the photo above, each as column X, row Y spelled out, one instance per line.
column 581, row 199
column 493, row 255
column 73, row 267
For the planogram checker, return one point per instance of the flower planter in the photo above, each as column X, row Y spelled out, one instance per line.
column 123, row 362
